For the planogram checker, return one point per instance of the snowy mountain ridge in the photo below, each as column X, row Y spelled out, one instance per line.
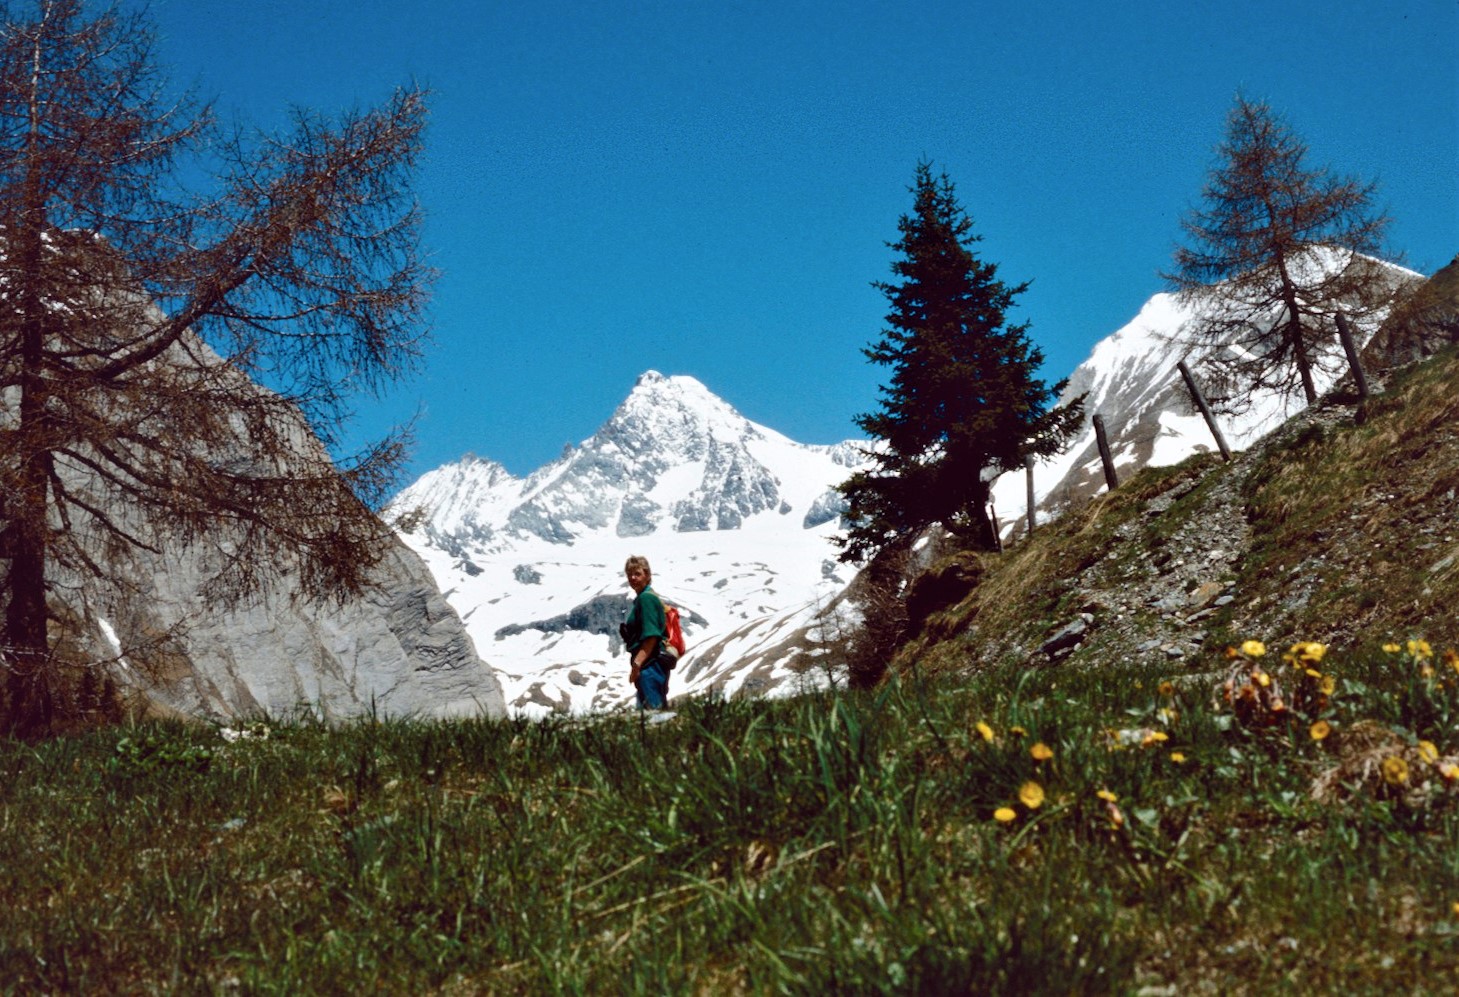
column 738, row 522
column 1131, row 381
column 735, row 518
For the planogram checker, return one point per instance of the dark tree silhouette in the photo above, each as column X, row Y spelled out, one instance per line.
column 962, row 404
column 1275, row 252
column 137, row 318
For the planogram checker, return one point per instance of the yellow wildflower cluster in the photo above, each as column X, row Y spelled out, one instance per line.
column 1030, row 794
column 1397, row 772
column 1254, row 694
column 1415, row 774
column 1260, row 699
column 989, row 736
column 1165, row 714
column 1421, row 653
column 1312, row 688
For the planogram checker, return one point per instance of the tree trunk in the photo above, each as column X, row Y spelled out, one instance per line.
column 28, row 682
column 26, row 644
column 1304, row 368
column 984, row 536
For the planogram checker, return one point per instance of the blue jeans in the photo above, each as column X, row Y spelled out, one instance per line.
column 653, row 686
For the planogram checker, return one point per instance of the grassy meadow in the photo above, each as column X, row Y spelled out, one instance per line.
column 1282, row 822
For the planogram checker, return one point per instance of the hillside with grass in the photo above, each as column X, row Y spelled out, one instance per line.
column 1342, row 528
column 1198, row 736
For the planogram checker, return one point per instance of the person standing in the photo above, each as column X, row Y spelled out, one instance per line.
column 644, row 632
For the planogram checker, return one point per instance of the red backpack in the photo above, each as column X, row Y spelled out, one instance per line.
column 676, row 647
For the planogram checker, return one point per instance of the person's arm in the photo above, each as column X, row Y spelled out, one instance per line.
column 645, row 652
column 641, row 657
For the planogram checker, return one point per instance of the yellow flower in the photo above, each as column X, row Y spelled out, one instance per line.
column 1106, row 796
column 1155, row 737
column 1262, row 679
column 1018, row 731
column 1004, row 814
column 1319, row 730
column 1428, row 751
column 1392, row 648
column 1328, row 685
column 1420, row 649
column 1253, row 648
column 1031, row 795
column 1166, row 689
column 1449, row 771
column 1167, row 715
column 1395, row 770
column 1041, row 752
column 1308, row 651
column 985, row 731
column 1177, row 756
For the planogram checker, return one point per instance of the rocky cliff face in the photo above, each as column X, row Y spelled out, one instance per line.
column 172, row 646
column 396, row 650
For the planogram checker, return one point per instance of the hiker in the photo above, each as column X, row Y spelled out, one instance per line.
column 645, row 632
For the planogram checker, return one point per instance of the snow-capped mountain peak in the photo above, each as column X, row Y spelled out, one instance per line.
column 672, row 456
column 735, row 518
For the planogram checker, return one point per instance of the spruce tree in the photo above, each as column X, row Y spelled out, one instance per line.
column 962, row 403
column 1277, row 249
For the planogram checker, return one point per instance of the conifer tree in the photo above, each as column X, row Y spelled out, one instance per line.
column 1275, row 252
column 136, row 318
column 962, row 403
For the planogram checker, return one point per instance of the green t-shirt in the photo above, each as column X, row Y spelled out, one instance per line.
column 646, row 619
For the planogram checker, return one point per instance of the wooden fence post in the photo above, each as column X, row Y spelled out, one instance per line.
column 1350, row 346
column 1028, row 473
column 1200, row 400
column 1110, row 478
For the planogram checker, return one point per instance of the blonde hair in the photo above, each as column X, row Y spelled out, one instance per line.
column 639, row 561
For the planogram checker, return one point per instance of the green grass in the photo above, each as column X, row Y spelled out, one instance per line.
column 834, row 843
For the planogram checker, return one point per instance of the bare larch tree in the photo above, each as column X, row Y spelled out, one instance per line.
column 138, row 316
column 1276, row 250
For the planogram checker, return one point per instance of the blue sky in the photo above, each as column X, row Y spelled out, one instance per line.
column 707, row 188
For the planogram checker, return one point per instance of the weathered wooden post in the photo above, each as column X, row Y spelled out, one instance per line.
column 1028, row 473
column 1200, row 400
column 1350, row 346
column 1110, row 478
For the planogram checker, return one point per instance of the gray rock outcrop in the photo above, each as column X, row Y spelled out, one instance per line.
column 174, row 646
column 396, row 650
